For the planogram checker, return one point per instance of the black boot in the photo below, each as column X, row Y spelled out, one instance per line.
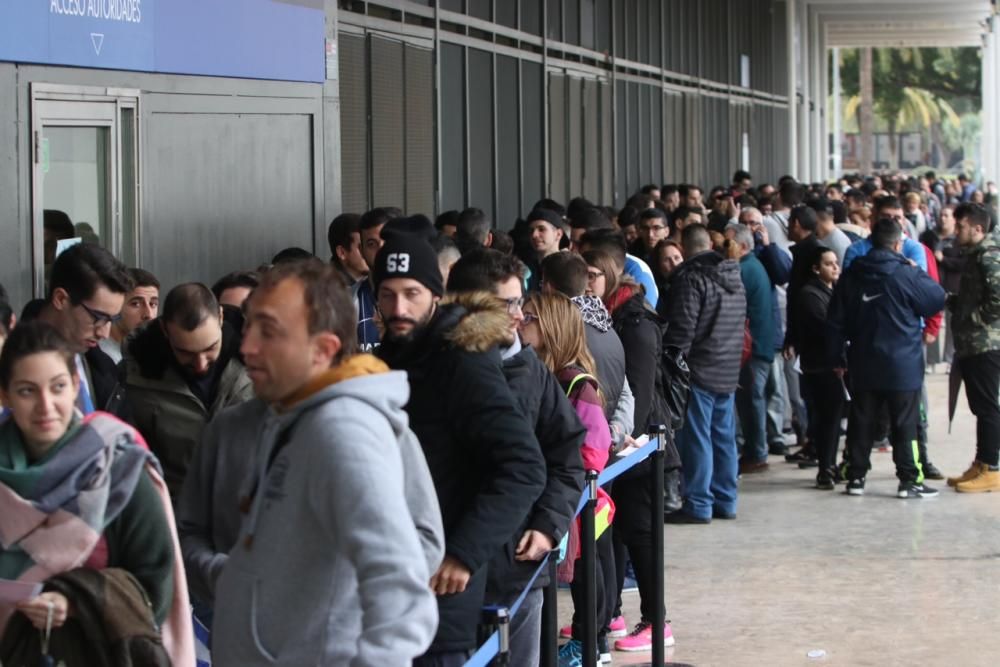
column 672, row 499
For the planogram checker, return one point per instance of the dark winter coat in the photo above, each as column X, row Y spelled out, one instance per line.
column 814, row 301
column 111, row 625
column 483, row 455
column 560, row 436
column 107, row 382
column 877, row 308
column 165, row 409
column 803, row 253
column 706, row 319
column 641, row 332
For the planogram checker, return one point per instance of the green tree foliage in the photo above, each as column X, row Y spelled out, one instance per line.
column 948, row 73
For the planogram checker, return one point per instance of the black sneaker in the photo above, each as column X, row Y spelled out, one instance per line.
column 824, row 481
column 856, row 487
column 603, row 650
column 931, row 471
column 804, row 454
column 915, row 490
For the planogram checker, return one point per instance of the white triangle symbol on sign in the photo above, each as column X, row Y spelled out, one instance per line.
column 97, row 39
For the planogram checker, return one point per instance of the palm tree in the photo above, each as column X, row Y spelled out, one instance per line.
column 916, row 106
column 866, row 121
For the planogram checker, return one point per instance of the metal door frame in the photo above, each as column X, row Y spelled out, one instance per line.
column 82, row 106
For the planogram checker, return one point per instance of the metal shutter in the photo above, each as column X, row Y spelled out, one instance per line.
column 480, row 137
column 508, row 143
column 388, row 138
column 591, row 158
column 354, row 122
column 557, row 137
column 574, row 138
column 452, row 128
column 607, row 158
column 419, row 123
column 533, row 186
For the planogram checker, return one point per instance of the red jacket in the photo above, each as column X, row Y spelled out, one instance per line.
column 932, row 325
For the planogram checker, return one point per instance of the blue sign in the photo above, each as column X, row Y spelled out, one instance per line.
column 259, row 39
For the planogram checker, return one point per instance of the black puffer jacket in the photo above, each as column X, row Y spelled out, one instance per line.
column 705, row 319
column 482, row 453
column 641, row 332
column 560, row 435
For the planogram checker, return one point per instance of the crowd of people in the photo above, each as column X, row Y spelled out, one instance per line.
column 343, row 461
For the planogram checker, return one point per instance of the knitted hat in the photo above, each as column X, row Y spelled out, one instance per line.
column 408, row 256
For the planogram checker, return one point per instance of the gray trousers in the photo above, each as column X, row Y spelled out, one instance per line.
column 526, row 631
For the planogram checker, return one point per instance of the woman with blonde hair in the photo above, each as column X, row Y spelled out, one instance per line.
column 553, row 327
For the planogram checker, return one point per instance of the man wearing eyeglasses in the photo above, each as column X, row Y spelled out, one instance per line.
column 86, row 292
column 652, row 229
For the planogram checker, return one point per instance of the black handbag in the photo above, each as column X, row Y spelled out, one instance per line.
column 677, row 385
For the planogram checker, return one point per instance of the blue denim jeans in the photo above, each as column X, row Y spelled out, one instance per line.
column 707, row 445
column 751, row 403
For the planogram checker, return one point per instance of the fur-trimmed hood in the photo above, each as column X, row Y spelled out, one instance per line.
column 484, row 324
column 472, row 322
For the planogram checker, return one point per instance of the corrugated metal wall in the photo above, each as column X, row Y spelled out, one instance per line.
column 618, row 94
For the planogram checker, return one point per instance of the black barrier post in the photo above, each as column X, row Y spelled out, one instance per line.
column 588, row 549
column 549, row 655
column 496, row 618
column 658, row 431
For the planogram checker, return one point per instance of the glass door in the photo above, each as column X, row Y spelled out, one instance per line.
column 85, row 185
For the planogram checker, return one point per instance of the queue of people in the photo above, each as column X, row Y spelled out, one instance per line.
column 341, row 462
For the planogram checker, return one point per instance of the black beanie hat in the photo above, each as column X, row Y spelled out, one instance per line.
column 408, row 256
column 548, row 216
column 415, row 225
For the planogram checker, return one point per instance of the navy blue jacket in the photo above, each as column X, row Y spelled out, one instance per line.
column 876, row 310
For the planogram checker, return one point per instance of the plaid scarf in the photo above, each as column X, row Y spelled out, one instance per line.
column 56, row 508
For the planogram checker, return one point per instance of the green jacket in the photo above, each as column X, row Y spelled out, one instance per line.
column 976, row 308
column 165, row 410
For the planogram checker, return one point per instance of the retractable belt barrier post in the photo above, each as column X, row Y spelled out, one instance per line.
column 494, row 636
column 588, row 558
column 658, row 434
column 496, row 620
column 549, row 654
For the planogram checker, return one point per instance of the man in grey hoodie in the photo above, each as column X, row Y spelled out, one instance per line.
column 331, row 565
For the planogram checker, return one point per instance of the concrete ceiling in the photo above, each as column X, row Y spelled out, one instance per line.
column 901, row 23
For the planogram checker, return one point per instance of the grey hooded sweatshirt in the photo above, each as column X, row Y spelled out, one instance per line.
column 330, row 567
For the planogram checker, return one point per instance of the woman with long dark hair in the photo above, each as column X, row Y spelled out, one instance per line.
column 640, row 330
column 84, row 517
column 822, row 389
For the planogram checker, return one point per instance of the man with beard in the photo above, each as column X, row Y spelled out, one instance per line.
column 183, row 369
column 485, row 461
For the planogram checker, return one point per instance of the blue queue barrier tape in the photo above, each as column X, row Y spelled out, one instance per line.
column 491, row 647
column 489, row 650
column 618, row 468
column 514, row 608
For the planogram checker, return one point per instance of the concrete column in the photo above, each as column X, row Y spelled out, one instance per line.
column 989, row 139
column 820, row 137
column 793, row 133
column 838, row 134
column 332, row 176
column 805, row 73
